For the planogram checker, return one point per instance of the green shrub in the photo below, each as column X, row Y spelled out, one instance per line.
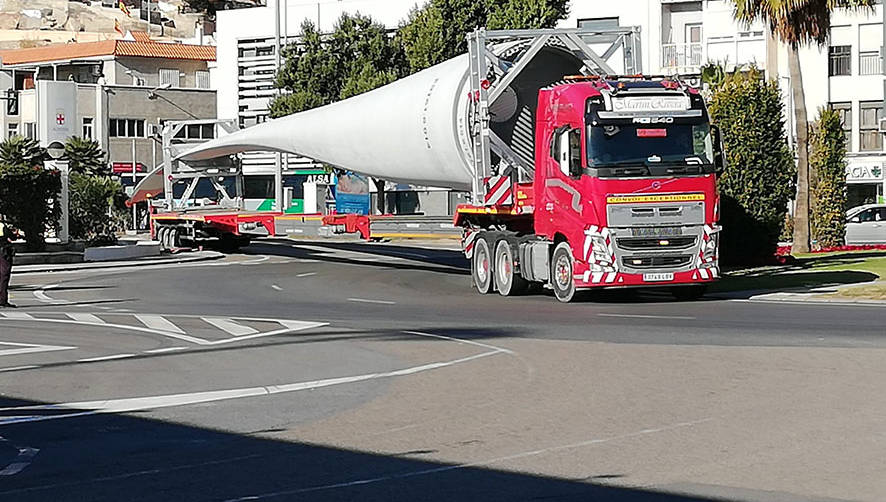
column 760, row 177
column 827, row 161
column 28, row 192
column 92, row 215
column 85, row 156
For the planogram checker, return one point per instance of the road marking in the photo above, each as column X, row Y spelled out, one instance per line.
column 185, row 338
column 105, row 358
column 41, row 295
column 126, row 405
column 22, row 460
column 260, row 259
column 86, row 318
column 468, row 465
column 306, row 274
column 641, row 316
column 158, row 322
column 363, row 300
column 30, row 348
column 19, row 368
column 230, row 327
column 166, row 349
column 461, row 340
column 276, row 287
column 17, row 315
column 291, row 326
column 134, row 474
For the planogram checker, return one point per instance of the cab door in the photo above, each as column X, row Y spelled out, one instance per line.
column 563, row 187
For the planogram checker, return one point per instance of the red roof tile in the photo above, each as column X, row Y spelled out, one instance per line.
column 61, row 52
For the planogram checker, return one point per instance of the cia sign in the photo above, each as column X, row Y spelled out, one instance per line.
column 864, row 172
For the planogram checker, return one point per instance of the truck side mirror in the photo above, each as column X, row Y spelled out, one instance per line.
column 719, row 154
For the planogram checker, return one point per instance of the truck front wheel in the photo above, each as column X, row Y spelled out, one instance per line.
column 481, row 266
column 561, row 273
column 508, row 280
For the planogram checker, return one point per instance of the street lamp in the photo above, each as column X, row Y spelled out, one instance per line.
column 152, row 94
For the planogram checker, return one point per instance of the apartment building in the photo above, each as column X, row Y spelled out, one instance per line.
column 117, row 92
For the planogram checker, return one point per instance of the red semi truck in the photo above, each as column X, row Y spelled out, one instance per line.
column 624, row 194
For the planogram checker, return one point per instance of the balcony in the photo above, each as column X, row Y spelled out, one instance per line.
column 870, row 63
column 682, row 58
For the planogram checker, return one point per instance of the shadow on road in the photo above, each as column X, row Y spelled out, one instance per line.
column 112, row 457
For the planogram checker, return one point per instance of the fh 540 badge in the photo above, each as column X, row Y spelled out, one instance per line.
column 653, row 120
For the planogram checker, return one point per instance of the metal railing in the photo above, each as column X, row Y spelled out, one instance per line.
column 870, row 63
column 686, row 58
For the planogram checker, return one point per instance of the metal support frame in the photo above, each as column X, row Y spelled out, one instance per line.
column 485, row 91
column 174, row 169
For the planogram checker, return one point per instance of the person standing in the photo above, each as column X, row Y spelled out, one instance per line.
column 7, row 235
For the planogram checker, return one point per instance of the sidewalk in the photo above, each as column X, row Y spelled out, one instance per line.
column 187, row 257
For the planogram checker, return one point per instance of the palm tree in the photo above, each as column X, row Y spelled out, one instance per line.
column 21, row 151
column 85, row 156
column 796, row 23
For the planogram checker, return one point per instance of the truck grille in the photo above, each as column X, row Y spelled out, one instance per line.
column 645, row 243
column 664, row 261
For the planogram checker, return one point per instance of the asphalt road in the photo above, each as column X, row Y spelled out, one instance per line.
column 345, row 371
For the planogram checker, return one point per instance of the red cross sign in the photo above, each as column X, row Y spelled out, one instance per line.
column 60, row 119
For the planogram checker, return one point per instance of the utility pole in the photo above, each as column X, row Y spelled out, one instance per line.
column 278, row 157
column 134, row 183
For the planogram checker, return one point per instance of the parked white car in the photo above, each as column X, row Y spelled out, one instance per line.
column 866, row 224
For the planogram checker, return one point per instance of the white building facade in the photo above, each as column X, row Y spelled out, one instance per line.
column 677, row 37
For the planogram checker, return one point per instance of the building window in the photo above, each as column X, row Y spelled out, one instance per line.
column 845, row 112
column 869, row 129
column 839, row 60
column 126, row 128
column 870, row 38
column 87, row 127
column 12, row 130
column 203, row 80
column 170, row 77
column 31, row 130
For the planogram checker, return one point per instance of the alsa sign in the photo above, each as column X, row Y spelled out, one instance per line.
column 864, row 172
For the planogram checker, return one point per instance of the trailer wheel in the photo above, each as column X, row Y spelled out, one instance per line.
column 561, row 273
column 508, row 280
column 161, row 237
column 481, row 266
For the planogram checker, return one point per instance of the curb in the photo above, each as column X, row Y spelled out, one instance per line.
column 73, row 267
column 801, row 295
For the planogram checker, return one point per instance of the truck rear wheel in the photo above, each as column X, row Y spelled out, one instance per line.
column 481, row 266
column 561, row 273
column 508, row 280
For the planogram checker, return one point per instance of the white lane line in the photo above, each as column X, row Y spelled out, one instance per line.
column 166, row 349
column 364, row 300
column 230, row 327
column 41, row 295
column 17, row 315
column 126, row 405
column 460, row 340
column 276, row 287
column 260, row 259
column 158, row 322
column 307, row 274
column 291, row 326
column 30, row 348
column 90, row 318
column 19, row 368
column 186, row 338
column 482, row 463
column 22, row 460
column 105, row 358
column 128, row 475
column 641, row 316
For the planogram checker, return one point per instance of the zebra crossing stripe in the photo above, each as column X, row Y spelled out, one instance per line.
column 85, row 318
column 159, row 322
column 17, row 315
column 230, row 327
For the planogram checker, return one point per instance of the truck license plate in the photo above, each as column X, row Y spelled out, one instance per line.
column 659, row 277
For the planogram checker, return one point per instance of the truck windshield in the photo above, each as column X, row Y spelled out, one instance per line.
column 649, row 145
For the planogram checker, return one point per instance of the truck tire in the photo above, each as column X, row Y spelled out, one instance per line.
column 689, row 293
column 481, row 266
column 508, row 280
column 561, row 273
column 161, row 237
